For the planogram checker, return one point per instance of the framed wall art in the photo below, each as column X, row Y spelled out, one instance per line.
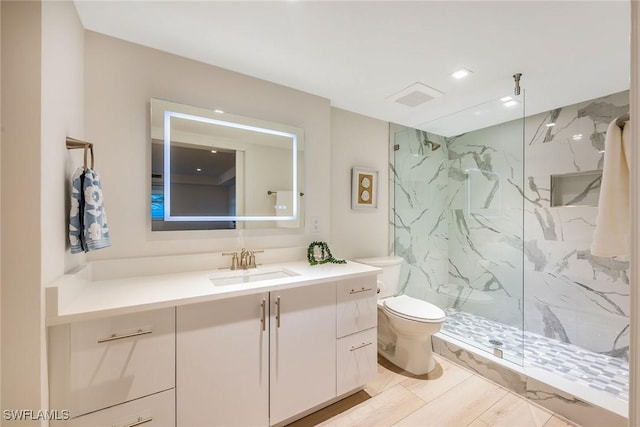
column 364, row 188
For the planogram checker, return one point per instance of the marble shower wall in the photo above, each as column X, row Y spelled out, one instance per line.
column 419, row 215
column 572, row 295
column 484, row 206
column 460, row 212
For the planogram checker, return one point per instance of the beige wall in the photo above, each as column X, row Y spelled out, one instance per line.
column 22, row 331
column 42, row 94
column 62, row 116
column 121, row 77
column 358, row 140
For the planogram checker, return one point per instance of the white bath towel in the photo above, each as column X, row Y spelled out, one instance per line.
column 612, row 234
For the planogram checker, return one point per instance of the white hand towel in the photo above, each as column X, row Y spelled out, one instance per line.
column 612, row 234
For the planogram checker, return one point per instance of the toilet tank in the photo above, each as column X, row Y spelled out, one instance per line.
column 390, row 276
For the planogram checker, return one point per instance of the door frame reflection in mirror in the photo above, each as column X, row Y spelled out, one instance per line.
column 172, row 110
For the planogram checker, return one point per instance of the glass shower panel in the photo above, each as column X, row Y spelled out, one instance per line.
column 458, row 221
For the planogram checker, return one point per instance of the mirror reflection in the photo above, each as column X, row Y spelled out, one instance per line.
column 212, row 170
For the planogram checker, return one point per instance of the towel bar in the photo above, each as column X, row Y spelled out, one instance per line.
column 621, row 119
column 269, row 192
column 73, row 143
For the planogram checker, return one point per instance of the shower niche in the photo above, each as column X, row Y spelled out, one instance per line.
column 576, row 189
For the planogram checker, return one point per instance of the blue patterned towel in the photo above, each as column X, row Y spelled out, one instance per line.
column 88, row 228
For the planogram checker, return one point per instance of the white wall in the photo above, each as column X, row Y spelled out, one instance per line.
column 121, row 77
column 358, row 140
column 21, row 291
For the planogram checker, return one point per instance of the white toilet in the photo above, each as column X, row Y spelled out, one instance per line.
column 405, row 324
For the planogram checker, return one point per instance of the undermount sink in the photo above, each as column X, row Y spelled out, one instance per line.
column 252, row 275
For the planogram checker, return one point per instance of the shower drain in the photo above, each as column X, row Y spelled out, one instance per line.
column 496, row 342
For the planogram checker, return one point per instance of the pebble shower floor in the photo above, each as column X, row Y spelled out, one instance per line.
column 598, row 371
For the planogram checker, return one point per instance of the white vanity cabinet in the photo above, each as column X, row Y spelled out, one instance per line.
column 303, row 348
column 222, row 363
column 249, row 354
column 256, row 360
column 357, row 319
column 103, row 363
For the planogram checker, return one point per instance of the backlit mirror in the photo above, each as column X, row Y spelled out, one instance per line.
column 212, row 170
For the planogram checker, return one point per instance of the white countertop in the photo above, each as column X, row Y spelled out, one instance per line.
column 76, row 297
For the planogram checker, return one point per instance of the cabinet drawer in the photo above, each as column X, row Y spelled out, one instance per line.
column 357, row 361
column 155, row 410
column 357, row 307
column 120, row 358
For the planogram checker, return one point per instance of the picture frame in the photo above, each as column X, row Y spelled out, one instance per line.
column 364, row 188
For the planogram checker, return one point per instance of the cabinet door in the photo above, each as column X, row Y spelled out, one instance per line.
column 357, row 360
column 357, row 305
column 303, row 345
column 222, row 363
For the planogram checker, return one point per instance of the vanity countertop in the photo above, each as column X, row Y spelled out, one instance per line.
column 76, row 297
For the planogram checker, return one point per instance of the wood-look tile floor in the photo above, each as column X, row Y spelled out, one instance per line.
column 449, row 396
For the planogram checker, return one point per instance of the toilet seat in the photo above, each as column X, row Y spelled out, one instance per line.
column 414, row 309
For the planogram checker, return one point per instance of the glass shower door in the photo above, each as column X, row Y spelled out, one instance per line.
column 458, row 222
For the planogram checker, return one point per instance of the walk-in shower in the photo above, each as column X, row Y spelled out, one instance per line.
column 480, row 238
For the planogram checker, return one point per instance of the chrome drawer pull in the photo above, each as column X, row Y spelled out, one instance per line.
column 361, row 290
column 360, row 346
column 115, row 337
column 139, row 422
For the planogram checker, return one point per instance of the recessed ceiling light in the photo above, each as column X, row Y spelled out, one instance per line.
column 461, row 73
column 550, row 125
column 510, row 103
column 577, row 136
column 601, row 151
column 506, row 98
column 214, row 151
column 218, row 111
column 198, row 169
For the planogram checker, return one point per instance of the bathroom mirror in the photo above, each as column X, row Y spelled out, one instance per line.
column 213, row 170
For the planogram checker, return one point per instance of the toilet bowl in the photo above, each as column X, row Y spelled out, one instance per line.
column 412, row 323
column 405, row 324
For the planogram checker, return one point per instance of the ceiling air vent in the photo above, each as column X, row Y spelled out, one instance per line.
column 414, row 95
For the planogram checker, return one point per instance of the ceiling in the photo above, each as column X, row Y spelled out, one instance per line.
column 361, row 54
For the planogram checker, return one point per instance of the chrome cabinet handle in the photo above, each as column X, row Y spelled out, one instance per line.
column 277, row 303
column 353, row 291
column 140, row 421
column 263, row 318
column 115, row 337
column 360, row 346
